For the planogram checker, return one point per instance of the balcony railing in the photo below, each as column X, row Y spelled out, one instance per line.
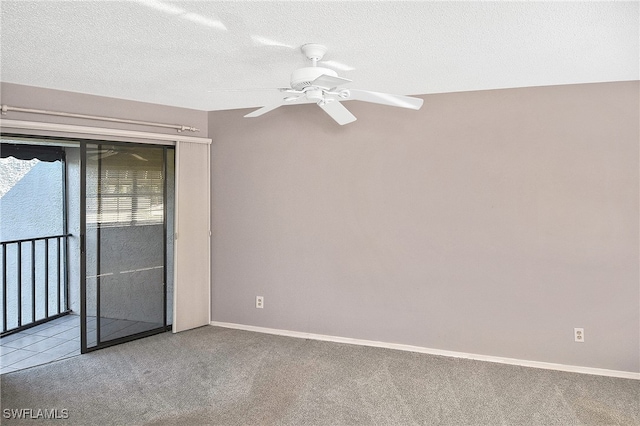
column 35, row 286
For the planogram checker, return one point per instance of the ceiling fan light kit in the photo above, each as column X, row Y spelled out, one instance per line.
column 320, row 85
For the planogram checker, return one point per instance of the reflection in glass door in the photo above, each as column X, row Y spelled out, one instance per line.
column 124, row 256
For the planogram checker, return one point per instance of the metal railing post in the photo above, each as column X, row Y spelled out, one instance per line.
column 19, row 301
column 4, row 287
column 59, row 255
column 46, row 278
column 33, row 281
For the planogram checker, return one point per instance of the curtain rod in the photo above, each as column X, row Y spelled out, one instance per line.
column 178, row 127
column 82, row 131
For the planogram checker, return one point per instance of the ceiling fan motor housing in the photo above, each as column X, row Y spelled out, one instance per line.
column 304, row 77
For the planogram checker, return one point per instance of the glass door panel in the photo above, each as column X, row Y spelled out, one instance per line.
column 125, row 254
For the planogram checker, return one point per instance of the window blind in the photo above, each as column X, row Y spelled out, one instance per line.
column 125, row 187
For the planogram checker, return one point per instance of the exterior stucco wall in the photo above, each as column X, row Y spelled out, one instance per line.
column 32, row 207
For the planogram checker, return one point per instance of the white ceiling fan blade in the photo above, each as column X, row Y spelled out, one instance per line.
column 338, row 112
column 264, row 41
column 287, row 100
column 329, row 82
column 386, row 99
column 336, row 65
column 263, row 110
column 105, row 154
column 139, row 157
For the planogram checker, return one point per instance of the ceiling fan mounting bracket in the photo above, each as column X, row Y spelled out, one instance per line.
column 313, row 51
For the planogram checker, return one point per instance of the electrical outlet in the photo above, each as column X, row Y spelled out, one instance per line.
column 259, row 302
column 578, row 334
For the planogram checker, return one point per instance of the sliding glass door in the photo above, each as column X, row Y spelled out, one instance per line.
column 128, row 200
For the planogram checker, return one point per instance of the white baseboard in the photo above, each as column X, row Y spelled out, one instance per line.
column 454, row 354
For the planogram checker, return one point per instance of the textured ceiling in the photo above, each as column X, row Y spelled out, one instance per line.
column 206, row 54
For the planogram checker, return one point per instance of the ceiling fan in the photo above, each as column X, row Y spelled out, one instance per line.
column 320, row 85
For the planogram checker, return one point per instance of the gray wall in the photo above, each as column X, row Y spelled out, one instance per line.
column 489, row 222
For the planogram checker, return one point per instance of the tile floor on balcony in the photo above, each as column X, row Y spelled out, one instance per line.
column 56, row 339
column 59, row 339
